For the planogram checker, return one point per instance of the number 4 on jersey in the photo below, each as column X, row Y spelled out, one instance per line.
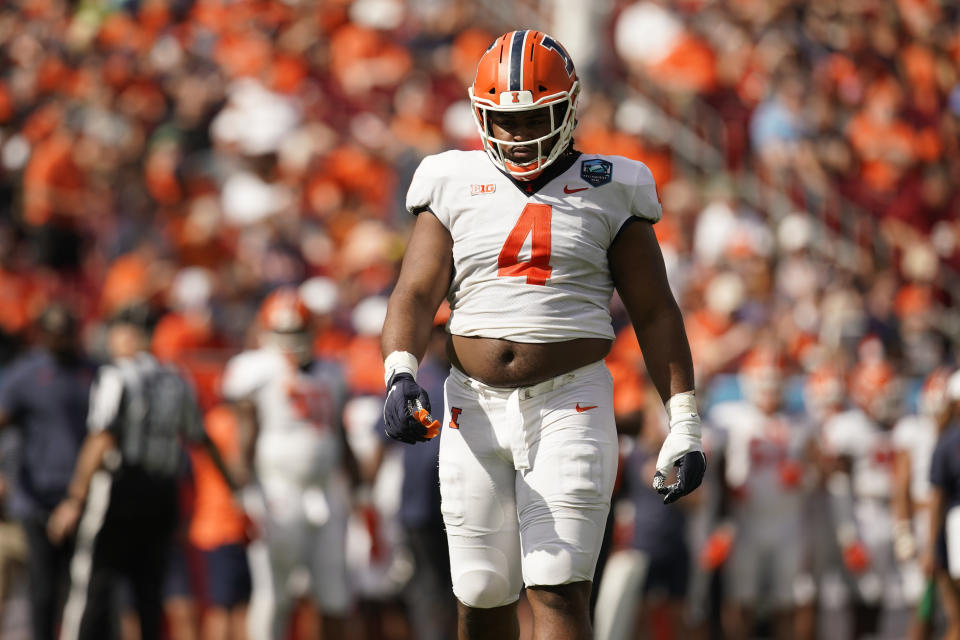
column 534, row 219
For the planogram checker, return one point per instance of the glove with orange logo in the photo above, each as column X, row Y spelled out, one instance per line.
column 406, row 411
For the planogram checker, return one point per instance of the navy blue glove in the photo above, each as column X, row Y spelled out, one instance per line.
column 690, row 470
column 406, row 411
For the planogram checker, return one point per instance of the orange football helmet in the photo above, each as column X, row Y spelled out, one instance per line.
column 761, row 377
column 875, row 387
column 523, row 71
column 823, row 391
column 285, row 323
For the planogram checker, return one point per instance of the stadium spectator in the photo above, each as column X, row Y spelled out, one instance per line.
column 221, row 531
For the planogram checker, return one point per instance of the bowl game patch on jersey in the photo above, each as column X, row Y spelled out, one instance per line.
column 596, row 171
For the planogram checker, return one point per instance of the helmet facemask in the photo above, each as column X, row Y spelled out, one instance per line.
column 561, row 107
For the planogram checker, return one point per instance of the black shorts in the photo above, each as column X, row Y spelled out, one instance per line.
column 228, row 575
column 668, row 576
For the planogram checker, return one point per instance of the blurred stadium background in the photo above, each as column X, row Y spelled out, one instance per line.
column 193, row 155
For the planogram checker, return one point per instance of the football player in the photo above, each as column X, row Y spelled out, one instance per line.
column 289, row 408
column 769, row 459
column 527, row 240
column 859, row 449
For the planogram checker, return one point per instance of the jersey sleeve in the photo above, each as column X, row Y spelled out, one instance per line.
column 843, row 435
column 106, row 395
column 645, row 202
column 242, row 377
column 426, row 186
column 902, row 435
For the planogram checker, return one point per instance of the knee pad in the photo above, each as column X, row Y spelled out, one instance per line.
column 556, row 565
column 483, row 589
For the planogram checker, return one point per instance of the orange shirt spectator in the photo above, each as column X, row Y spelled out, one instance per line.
column 52, row 181
column 217, row 521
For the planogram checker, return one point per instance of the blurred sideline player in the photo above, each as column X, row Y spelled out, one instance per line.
column 941, row 559
column 769, row 457
column 859, row 446
column 527, row 241
column 914, row 439
column 288, row 408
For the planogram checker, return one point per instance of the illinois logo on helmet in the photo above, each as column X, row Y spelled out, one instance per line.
column 522, row 72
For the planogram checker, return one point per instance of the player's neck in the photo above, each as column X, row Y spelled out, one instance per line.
column 564, row 162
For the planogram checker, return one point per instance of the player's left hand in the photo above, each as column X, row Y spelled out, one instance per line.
column 681, row 449
column 406, row 411
column 64, row 519
column 690, row 469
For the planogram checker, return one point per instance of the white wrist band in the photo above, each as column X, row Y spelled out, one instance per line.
column 399, row 362
column 682, row 413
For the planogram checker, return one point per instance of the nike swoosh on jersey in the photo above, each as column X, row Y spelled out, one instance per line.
column 567, row 189
column 582, row 409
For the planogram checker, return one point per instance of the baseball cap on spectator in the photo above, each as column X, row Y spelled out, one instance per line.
column 377, row 14
column 646, row 33
column 319, row 294
column 795, row 232
column 247, row 199
column 255, row 119
column 919, row 262
column 368, row 316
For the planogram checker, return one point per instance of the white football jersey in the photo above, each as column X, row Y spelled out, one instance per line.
column 917, row 435
column 758, row 450
column 298, row 413
column 870, row 447
column 532, row 267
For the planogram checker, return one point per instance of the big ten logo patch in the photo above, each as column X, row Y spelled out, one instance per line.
column 479, row 189
column 454, row 415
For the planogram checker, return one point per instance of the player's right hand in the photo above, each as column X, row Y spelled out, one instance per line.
column 406, row 411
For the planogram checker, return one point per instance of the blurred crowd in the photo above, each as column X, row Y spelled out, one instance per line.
column 192, row 156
